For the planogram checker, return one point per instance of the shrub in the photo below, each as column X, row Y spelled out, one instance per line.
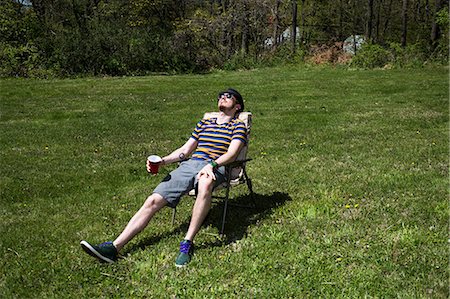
column 329, row 54
column 240, row 62
column 19, row 61
column 409, row 56
column 370, row 56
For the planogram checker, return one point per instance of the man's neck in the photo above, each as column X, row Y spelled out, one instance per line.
column 224, row 117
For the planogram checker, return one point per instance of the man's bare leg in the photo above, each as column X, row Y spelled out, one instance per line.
column 201, row 206
column 199, row 212
column 140, row 220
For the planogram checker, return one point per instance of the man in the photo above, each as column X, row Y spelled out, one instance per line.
column 215, row 142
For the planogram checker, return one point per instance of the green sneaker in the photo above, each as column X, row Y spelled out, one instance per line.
column 105, row 252
column 186, row 251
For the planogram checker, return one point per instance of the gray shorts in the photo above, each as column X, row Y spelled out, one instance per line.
column 183, row 179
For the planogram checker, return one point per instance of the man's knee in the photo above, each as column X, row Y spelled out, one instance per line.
column 205, row 185
column 154, row 202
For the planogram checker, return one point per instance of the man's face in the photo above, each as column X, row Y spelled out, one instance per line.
column 227, row 102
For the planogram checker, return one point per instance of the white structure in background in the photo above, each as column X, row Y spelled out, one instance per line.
column 284, row 36
column 26, row 3
column 268, row 43
column 353, row 42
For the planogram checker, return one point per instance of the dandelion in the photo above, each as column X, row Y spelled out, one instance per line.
column 347, row 206
column 356, row 205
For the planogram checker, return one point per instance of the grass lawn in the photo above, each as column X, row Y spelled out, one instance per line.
column 350, row 170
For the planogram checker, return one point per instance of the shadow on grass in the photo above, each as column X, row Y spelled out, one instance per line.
column 240, row 215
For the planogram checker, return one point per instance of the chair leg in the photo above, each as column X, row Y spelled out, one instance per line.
column 174, row 213
column 250, row 186
column 225, row 205
column 224, row 215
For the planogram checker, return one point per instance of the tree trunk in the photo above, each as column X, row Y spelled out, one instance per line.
column 435, row 27
column 417, row 17
column 404, row 22
column 302, row 32
column 276, row 24
column 355, row 22
column 388, row 18
column 369, row 19
column 294, row 26
column 377, row 23
column 244, row 45
column 341, row 21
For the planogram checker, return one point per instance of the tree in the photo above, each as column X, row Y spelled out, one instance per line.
column 369, row 19
column 404, row 22
column 276, row 24
column 137, row 36
column 387, row 13
column 294, row 26
column 435, row 26
column 245, row 28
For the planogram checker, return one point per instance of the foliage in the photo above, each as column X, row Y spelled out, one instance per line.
column 17, row 26
column 409, row 56
column 21, row 61
column 442, row 18
column 76, row 37
column 280, row 56
column 392, row 56
column 350, row 170
column 240, row 62
column 442, row 50
column 19, row 54
column 370, row 56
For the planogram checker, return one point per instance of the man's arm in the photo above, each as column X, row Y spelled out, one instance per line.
column 231, row 155
column 184, row 151
column 233, row 151
column 179, row 154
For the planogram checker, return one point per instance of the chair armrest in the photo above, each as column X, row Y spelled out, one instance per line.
column 237, row 163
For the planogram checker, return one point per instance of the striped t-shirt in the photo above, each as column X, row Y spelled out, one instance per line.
column 214, row 139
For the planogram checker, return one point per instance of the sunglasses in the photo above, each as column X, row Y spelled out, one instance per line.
column 226, row 94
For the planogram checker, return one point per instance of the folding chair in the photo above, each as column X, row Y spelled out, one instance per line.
column 235, row 171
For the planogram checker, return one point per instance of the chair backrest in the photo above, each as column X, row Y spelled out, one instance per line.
column 246, row 117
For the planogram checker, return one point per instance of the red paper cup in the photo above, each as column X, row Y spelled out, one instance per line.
column 155, row 161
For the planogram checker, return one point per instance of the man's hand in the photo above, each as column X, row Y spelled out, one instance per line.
column 148, row 164
column 208, row 171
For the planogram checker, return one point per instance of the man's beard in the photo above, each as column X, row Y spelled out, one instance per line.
column 223, row 108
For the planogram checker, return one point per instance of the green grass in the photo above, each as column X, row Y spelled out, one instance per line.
column 350, row 170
